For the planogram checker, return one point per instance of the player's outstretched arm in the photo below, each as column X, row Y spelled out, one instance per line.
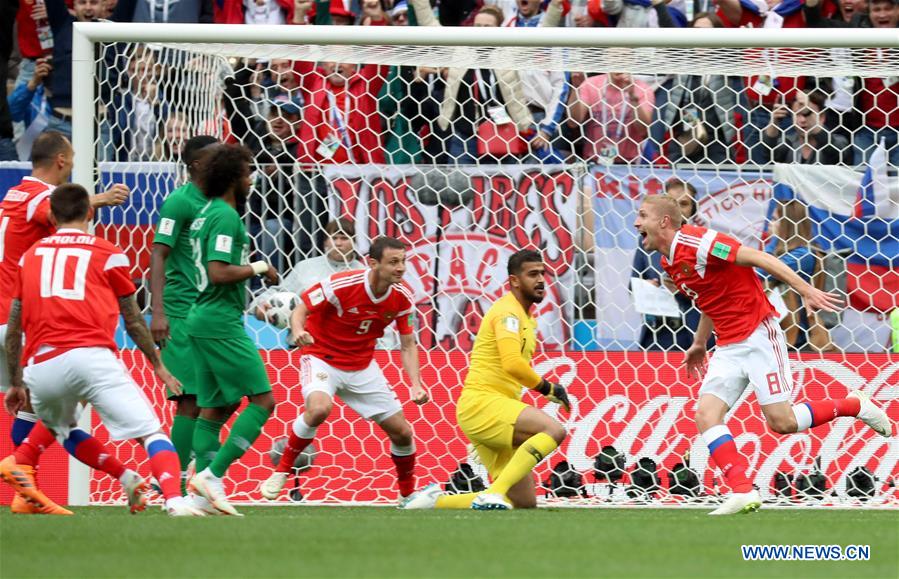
column 514, row 365
column 221, row 273
column 814, row 299
column 116, row 195
column 138, row 331
column 16, row 396
column 411, row 364
column 159, row 323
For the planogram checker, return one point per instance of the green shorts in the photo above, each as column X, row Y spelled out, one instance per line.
column 226, row 370
column 178, row 357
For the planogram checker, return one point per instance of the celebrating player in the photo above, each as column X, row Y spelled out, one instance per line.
column 716, row 272
column 25, row 219
column 173, row 293
column 69, row 293
column 337, row 323
column 510, row 437
column 227, row 364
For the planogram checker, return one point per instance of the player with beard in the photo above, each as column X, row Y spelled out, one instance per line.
column 510, row 437
column 226, row 362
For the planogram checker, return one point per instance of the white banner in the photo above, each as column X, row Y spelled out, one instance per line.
column 461, row 225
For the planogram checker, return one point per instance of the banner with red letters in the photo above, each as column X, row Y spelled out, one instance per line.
column 461, row 225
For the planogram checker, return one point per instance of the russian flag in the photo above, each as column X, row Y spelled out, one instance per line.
column 856, row 215
column 874, row 193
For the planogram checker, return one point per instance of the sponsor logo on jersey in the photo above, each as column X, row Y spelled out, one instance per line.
column 353, row 310
column 720, row 250
column 166, row 226
column 223, row 243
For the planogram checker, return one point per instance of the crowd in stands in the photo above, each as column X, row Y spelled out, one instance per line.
column 342, row 112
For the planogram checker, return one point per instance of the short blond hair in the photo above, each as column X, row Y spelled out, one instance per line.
column 666, row 205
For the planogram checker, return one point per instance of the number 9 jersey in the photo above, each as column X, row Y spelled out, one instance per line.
column 69, row 284
column 345, row 318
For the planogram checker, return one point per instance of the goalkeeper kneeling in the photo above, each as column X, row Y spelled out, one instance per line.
column 510, row 437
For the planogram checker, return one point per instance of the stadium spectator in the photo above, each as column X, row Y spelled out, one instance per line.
column 272, row 202
column 28, row 105
column 60, row 84
column 700, row 112
column 668, row 333
column 647, row 13
column 483, row 113
column 807, row 141
column 7, row 22
column 791, row 234
column 168, row 11
column 614, row 111
column 326, row 12
column 851, row 14
column 340, row 121
column 138, row 109
column 34, row 35
column 546, row 92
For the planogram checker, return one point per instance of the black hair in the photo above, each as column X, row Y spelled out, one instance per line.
column 376, row 251
column 190, row 152
column 47, row 146
column 521, row 257
column 70, row 202
column 221, row 168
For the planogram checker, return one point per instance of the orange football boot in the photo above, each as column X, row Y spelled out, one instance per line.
column 21, row 478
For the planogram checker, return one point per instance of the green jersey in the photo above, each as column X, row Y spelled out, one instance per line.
column 218, row 234
column 175, row 218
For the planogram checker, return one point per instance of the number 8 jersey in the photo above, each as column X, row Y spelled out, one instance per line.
column 69, row 285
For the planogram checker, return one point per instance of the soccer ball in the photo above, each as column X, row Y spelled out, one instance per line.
column 282, row 304
column 301, row 464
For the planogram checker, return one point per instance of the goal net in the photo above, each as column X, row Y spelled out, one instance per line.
column 470, row 145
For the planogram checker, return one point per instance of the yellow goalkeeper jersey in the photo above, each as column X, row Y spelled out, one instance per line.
column 501, row 358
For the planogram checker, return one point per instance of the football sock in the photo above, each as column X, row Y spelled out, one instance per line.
column 300, row 437
column 21, row 426
column 245, row 431
column 206, row 442
column 29, row 451
column 531, row 452
column 93, row 453
column 164, row 464
column 183, row 440
column 724, row 452
column 462, row 501
column 404, row 460
column 810, row 414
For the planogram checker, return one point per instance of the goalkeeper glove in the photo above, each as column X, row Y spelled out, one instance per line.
column 554, row 393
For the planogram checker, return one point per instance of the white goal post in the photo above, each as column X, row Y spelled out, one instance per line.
column 575, row 208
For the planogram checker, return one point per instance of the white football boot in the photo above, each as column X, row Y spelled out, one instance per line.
column 181, row 507
column 426, row 498
column 211, row 488
column 490, row 502
column 204, row 506
column 740, row 503
column 872, row 415
column 136, row 489
column 271, row 487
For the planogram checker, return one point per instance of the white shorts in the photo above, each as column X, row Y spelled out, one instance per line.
column 760, row 360
column 97, row 376
column 365, row 391
column 4, row 372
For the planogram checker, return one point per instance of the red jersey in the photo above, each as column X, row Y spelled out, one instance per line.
column 346, row 319
column 69, row 285
column 701, row 263
column 24, row 220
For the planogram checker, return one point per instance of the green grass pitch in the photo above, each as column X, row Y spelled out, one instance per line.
column 384, row 542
